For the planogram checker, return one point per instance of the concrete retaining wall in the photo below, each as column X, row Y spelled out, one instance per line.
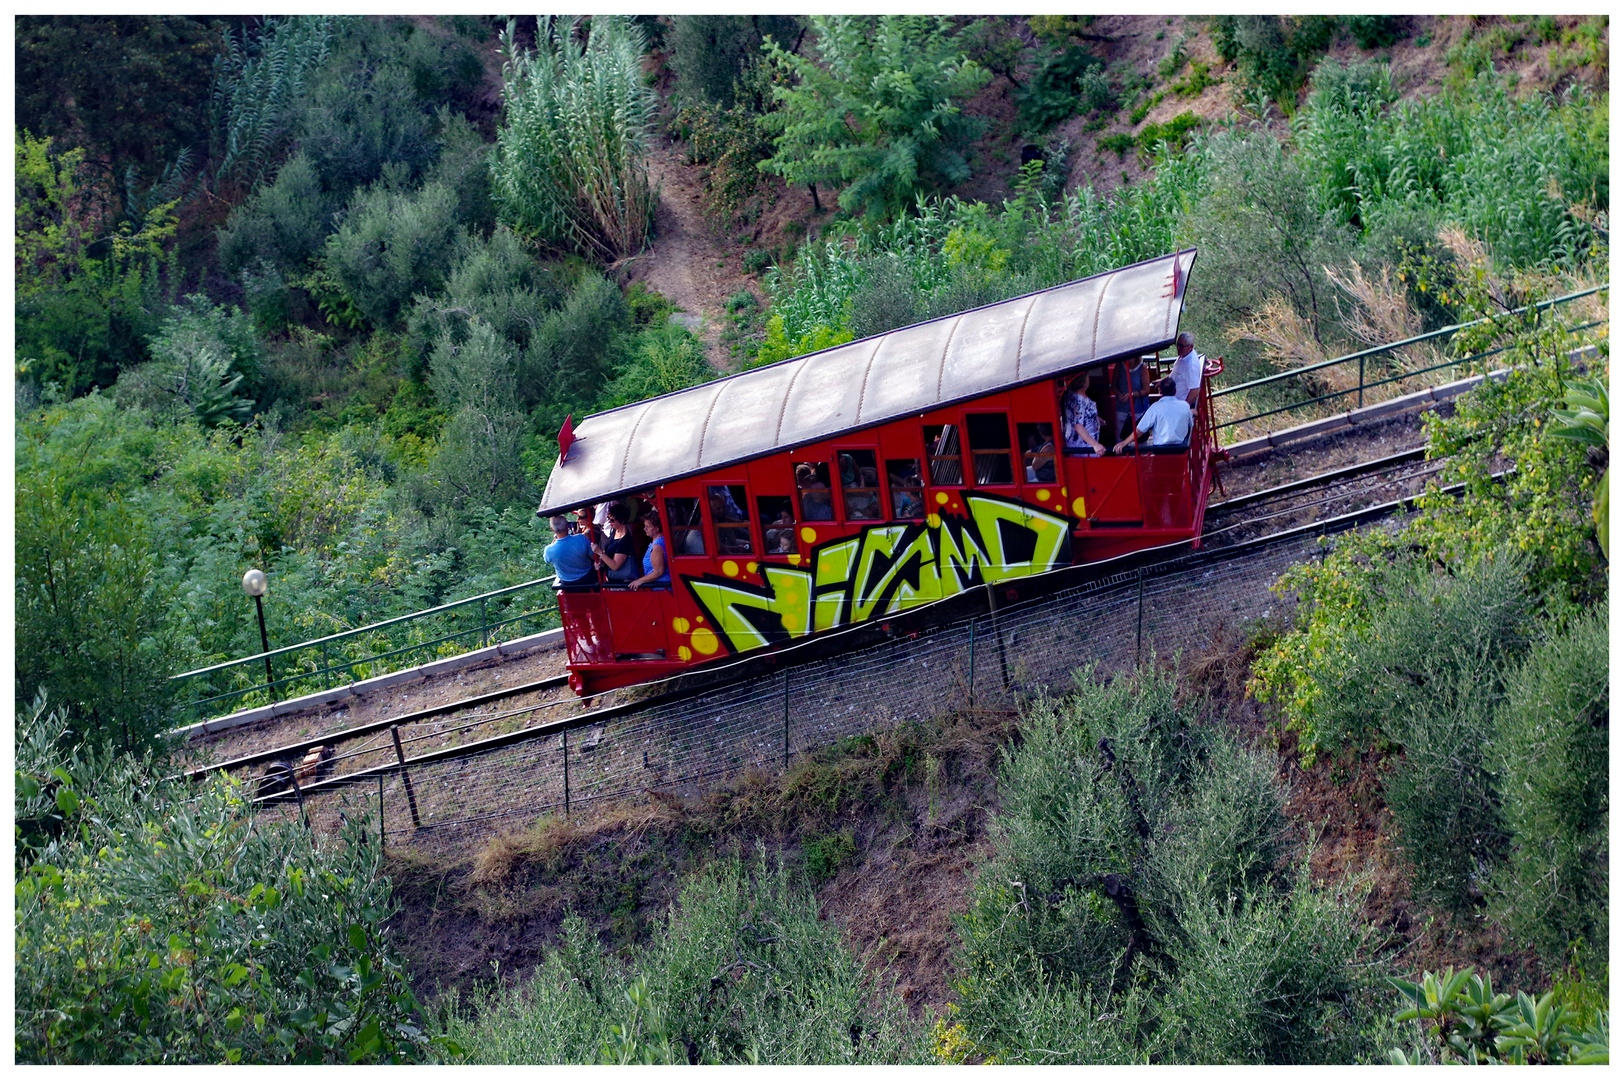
column 547, row 639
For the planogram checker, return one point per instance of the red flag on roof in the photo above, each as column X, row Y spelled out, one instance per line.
column 566, row 438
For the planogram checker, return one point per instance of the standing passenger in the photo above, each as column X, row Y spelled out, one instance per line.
column 656, row 568
column 1132, row 394
column 571, row 555
column 1187, row 369
column 615, row 553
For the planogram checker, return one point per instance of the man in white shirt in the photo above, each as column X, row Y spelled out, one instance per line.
column 1187, row 369
column 1167, row 421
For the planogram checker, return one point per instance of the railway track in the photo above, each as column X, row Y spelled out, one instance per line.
column 1331, row 501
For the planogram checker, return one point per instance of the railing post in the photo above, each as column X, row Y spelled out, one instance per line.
column 1361, row 382
column 411, row 796
column 566, row 737
column 382, row 836
column 484, row 625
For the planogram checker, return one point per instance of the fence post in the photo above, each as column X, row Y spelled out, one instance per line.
column 786, row 717
column 1139, row 633
column 383, row 837
column 992, row 618
column 1361, row 382
column 411, row 796
column 972, row 661
column 566, row 736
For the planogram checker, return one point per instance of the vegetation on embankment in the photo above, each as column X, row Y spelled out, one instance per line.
column 292, row 308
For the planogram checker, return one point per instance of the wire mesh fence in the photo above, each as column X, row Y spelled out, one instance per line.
column 1114, row 621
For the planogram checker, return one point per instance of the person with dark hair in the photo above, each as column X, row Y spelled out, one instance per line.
column 570, row 554
column 1080, row 419
column 1167, row 421
column 615, row 552
column 1131, row 392
column 656, row 567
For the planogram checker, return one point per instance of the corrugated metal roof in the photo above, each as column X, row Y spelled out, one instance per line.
column 863, row 383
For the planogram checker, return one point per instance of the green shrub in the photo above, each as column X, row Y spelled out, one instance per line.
column 1374, row 31
column 1066, row 82
column 740, row 971
column 710, row 53
column 1550, row 750
column 879, row 114
column 394, row 245
column 283, row 223
column 823, row 856
column 569, row 169
column 1175, row 133
column 664, row 359
column 1460, row 1020
column 169, row 925
column 1429, row 675
column 91, row 611
column 1120, row 142
column 1136, row 871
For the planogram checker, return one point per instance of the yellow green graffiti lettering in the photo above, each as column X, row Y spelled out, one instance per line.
column 886, row 569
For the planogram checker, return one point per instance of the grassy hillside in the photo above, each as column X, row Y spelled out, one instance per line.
column 315, row 293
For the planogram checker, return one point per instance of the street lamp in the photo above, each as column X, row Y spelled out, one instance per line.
column 254, row 584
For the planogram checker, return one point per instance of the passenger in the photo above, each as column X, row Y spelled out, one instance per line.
column 1187, row 369
column 1081, row 419
column 1167, row 422
column 571, row 555
column 816, row 502
column 617, row 551
column 780, row 530
column 908, row 504
column 585, row 523
column 722, row 506
column 656, row 570
column 1132, row 388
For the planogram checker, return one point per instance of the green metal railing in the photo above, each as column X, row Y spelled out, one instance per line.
column 351, row 654
column 1364, row 355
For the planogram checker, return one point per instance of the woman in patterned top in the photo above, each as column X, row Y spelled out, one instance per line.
column 1081, row 421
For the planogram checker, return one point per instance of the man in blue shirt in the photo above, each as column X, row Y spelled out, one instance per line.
column 1167, row 421
column 571, row 555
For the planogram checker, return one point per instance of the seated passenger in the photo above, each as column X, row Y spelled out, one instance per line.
column 1167, row 421
column 1080, row 418
column 570, row 554
column 656, row 569
column 722, row 506
column 776, row 537
column 816, row 502
column 908, row 504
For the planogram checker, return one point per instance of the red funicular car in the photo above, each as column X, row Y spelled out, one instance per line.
column 858, row 482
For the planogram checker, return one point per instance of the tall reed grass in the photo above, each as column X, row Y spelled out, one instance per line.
column 570, row 168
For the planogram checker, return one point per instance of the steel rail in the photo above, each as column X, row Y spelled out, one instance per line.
column 1329, row 477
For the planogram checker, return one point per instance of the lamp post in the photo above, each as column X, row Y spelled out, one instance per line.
column 254, row 584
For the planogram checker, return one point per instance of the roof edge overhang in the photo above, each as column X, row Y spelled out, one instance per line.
column 1181, row 282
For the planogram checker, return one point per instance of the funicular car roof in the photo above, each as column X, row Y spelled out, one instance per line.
column 863, row 383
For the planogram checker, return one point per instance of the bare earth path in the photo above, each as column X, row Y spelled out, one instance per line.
column 688, row 263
